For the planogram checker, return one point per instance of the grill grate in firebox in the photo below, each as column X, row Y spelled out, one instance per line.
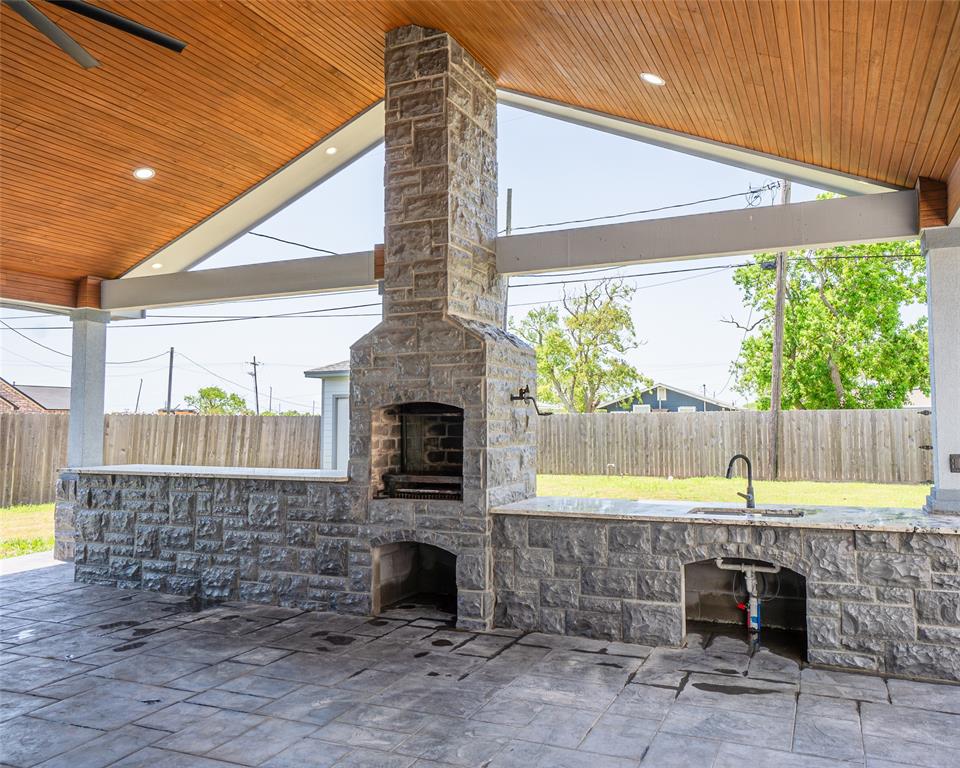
column 428, row 494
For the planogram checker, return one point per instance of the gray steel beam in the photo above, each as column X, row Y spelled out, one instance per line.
column 815, row 224
column 252, row 281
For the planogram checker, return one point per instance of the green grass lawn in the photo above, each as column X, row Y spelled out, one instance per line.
column 26, row 528
column 719, row 489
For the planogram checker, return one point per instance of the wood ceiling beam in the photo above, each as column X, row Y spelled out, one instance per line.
column 24, row 289
column 953, row 195
column 814, row 224
column 932, row 202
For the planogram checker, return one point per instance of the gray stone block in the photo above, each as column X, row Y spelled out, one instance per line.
column 652, row 623
column 878, row 620
column 556, row 593
column 332, row 556
column 880, row 541
column 829, row 557
column 658, row 586
column 608, row 582
column 669, row 538
column 518, row 610
column 630, row 537
column 823, row 632
column 924, row 661
column 888, row 569
column 935, row 607
column 599, row 626
column 533, row 562
column 580, row 543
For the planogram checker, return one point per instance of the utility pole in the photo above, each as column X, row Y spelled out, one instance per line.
column 136, row 408
column 270, row 407
column 170, row 382
column 776, row 373
column 256, row 390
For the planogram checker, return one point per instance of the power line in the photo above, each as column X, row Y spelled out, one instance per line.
column 628, row 277
column 293, row 242
column 65, row 354
column 303, row 313
column 751, row 191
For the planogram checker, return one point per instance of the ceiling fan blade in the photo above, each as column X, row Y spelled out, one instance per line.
column 46, row 27
column 120, row 22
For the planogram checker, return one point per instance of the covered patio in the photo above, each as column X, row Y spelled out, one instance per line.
column 97, row 676
column 425, row 607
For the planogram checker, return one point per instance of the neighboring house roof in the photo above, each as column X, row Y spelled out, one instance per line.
column 51, row 398
column 916, row 399
column 34, row 397
column 687, row 392
column 327, row 371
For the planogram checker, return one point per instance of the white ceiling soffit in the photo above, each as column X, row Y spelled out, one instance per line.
column 770, row 165
column 279, row 189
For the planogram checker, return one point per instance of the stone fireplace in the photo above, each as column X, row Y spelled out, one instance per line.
column 417, row 452
column 435, row 439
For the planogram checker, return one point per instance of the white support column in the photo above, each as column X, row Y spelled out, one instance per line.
column 87, row 374
column 941, row 246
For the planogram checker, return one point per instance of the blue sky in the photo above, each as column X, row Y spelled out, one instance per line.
column 557, row 172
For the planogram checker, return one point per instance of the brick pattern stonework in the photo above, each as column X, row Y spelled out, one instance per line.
column 887, row 602
column 440, row 339
column 282, row 542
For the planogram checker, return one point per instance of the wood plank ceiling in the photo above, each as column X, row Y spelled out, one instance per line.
column 867, row 88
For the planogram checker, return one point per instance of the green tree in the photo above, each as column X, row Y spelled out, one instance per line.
column 581, row 347
column 846, row 343
column 214, row 400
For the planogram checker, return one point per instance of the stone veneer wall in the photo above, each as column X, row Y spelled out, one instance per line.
column 440, row 339
column 887, row 602
column 268, row 541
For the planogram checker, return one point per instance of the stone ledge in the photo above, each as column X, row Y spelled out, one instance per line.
column 241, row 473
column 828, row 518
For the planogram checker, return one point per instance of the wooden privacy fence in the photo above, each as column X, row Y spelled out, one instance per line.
column 876, row 446
column 866, row 446
column 33, row 446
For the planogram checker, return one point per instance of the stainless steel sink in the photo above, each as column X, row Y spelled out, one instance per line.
column 743, row 511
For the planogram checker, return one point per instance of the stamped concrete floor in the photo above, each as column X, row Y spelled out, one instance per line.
column 93, row 676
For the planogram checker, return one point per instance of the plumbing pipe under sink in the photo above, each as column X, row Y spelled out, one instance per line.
column 750, row 571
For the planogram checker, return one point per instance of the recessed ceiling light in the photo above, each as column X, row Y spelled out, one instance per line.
column 144, row 173
column 331, row 150
column 652, row 79
column 157, row 266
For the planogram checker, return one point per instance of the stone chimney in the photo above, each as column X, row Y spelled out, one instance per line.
column 441, row 340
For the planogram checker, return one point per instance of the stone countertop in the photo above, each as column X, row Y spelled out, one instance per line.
column 244, row 473
column 834, row 518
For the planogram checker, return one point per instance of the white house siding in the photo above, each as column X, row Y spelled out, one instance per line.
column 332, row 387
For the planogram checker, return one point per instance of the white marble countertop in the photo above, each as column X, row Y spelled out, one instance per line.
column 836, row 518
column 245, row 473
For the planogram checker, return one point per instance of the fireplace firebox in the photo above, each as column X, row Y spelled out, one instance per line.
column 418, row 452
